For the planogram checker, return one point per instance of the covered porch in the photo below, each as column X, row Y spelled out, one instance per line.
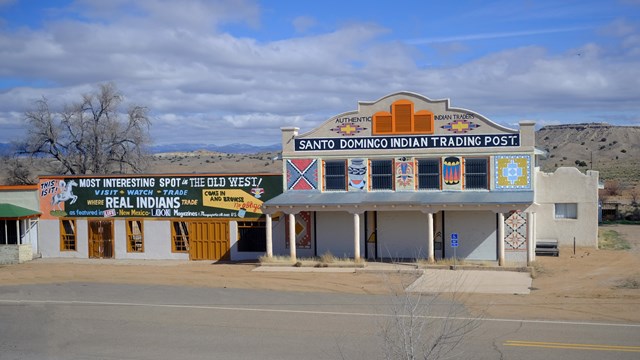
column 411, row 225
column 18, row 234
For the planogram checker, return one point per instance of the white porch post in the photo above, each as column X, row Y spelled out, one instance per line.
column 500, row 239
column 269, row 236
column 356, row 236
column 292, row 237
column 430, row 247
column 531, row 254
column 6, row 233
column 18, row 232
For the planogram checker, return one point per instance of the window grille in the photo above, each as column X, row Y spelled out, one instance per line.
column 429, row 174
column 381, row 174
column 134, row 236
column 335, row 175
column 68, row 235
column 180, row 236
column 475, row 173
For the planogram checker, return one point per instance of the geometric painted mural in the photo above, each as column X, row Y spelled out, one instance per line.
column 460, row 126
column 512, row 172
column 302, row 230
column 405, row 174
column 357, row 174
column 302, row 174
column 451, row 173
column 515, row 231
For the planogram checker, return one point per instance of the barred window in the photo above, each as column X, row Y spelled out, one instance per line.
column 180, row 236
column 381, row 174
column 335, row 175
column 475, row 173
column 68, row 235
column 252, row 236
column 135, row 240
column 429, row 174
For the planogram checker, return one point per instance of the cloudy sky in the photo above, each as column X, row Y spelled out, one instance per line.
column 236, row 71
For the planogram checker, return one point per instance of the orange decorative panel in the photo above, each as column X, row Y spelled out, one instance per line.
column 403, row 120
column 382, row 123
column 423, row 122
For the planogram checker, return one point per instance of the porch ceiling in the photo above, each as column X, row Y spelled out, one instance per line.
column 384, row 198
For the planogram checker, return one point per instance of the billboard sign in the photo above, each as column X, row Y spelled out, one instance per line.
column 157, row 196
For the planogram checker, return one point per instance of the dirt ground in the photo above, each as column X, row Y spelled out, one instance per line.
column 592, row 285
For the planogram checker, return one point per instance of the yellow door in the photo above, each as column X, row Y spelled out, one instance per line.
column 209, row 240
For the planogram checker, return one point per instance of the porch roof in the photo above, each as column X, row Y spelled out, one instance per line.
column 14, row 212
column 381, row 198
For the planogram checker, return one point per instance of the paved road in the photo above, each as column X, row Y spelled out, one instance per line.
column 108, row 321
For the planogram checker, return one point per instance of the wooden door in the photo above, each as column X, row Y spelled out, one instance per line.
column 209, row 240
column 100, row 239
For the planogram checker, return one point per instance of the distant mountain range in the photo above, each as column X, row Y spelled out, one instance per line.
column 228, row 149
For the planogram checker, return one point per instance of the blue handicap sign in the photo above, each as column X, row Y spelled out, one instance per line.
column 454, row 236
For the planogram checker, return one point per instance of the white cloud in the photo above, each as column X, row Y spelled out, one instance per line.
column 204, row 84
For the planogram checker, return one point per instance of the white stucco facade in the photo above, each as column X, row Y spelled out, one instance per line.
column 424, row 180
column 568, row 187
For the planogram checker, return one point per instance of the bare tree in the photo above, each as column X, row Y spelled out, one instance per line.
column 18, row 171
column 426, row 326
column 91, row 136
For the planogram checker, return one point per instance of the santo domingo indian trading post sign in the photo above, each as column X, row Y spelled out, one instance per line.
column 192, row 196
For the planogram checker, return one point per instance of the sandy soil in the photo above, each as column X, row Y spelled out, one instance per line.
column 589, row 285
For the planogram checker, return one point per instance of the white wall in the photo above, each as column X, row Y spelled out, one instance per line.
column 567, row 185
column 402, row 234
column 157, row 241
column 335, row 233
column 477, row 234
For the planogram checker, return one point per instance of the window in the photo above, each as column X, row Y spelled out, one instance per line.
column 475, row 173
column 179, row 236
column 335, row 175
column 252, row 236
column 68, row 235
column 566, row 211
column 381, row 174
column 135, row 241
column 429, row 174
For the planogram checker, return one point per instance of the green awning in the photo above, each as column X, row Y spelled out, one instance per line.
column 14, row 212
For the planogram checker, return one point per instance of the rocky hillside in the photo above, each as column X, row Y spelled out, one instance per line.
column 612, row 150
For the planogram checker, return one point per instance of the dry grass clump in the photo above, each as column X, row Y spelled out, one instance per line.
column 611, row 240
column 326, row 260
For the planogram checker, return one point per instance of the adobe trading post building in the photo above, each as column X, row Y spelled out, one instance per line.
column 196, row 216
column 407, row 177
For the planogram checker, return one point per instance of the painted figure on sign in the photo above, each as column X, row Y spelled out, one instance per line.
column 66, row 193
